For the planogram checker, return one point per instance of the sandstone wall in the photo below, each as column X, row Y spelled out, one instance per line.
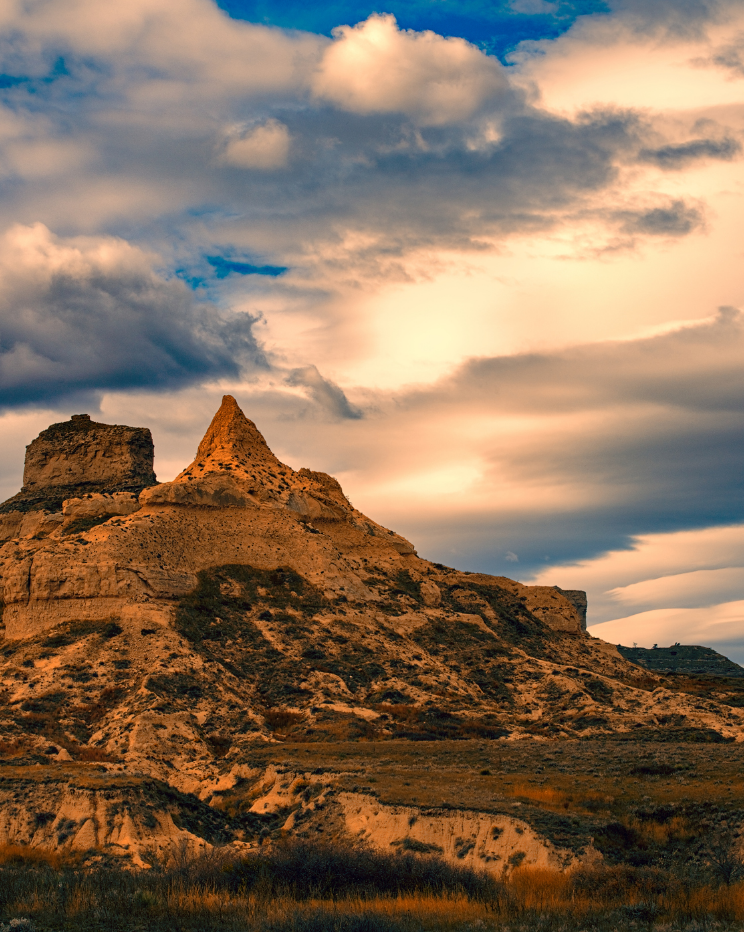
column 81, row 456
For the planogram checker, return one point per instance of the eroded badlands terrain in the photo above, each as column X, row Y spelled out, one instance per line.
column 240, row 654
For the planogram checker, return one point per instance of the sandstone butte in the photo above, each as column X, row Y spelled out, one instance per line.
column 156, row 634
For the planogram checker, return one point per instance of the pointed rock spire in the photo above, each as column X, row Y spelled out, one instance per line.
column 232, row 436
column 233, row 444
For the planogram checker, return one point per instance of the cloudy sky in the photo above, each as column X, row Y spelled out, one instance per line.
column 482, row 261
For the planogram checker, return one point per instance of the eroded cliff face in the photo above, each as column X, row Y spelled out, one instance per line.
column 79, row 457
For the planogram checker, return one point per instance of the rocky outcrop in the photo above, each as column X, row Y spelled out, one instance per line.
column 577, row 597
column 562, row 610
column 79, row 457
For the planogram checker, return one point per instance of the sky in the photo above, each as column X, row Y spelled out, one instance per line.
column 480, row 261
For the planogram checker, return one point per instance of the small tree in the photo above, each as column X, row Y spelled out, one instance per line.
column 723, row 859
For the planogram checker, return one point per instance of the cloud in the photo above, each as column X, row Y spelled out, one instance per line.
column 729, row 57
column 374, row 67
column 693, row 368
column 672, row 19
column 676, row 157
column 675, row 219
column 689, row 569
column 326, row 394
column 161, row 45
column 91, row 313
column 564, row 455
column 262, row 148
column 385, row 137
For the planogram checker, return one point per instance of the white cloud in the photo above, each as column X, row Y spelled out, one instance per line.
column 158, row 42
column 684, row 569
column 374, row 67
column 609, row 61
column 264, row 147
column 694, row 589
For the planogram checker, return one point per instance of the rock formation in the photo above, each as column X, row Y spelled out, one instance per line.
column 79, row 457
column 168, row 630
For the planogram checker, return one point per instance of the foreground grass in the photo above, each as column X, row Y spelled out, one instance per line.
column 297, row 887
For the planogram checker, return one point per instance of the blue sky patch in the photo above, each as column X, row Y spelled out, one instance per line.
column 497, row 27
column 223, row 267
column 11, row 80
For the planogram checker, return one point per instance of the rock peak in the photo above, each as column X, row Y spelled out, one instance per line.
column 233, row 443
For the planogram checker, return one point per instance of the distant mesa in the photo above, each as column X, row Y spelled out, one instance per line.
column 682, row 658
column 79, row 457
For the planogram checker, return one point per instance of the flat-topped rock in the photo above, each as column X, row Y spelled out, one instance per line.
column 82, row 456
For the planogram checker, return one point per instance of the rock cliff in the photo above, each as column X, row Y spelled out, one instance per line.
column 79, row 457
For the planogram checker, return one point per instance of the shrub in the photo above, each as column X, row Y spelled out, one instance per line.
column 322, row 920
column 279, row 719
column 95, row 755
column 305, row 870
column 26, row 856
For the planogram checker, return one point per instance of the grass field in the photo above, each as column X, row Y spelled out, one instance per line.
column 312, row 888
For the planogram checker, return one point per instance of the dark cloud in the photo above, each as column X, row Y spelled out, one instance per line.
column 680, row 156
column 326, row 394
column 93, row 315
column 678, row 478
column 440, row 185
column 675, row 219
column 695, row 368
column 731, row 58
column 664, row 450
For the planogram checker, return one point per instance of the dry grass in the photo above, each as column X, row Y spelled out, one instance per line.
column 677, row 828
column 205, row 894
column 24, row 855
column 584, row 894
column 591, row 776
column 13, row 748
column 95, row 755
column 555, row 799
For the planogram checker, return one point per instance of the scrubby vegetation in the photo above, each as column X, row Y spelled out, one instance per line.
column 298, row 887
